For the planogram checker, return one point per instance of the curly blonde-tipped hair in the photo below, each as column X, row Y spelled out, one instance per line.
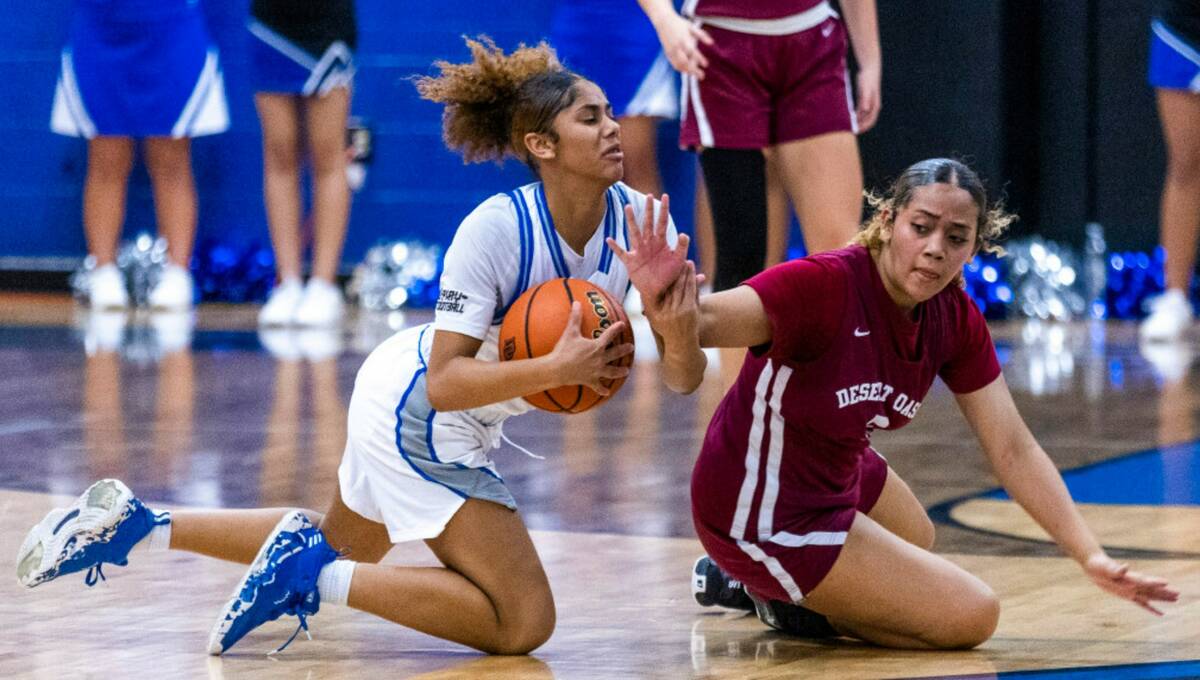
column 496, row 99
column 992, row 223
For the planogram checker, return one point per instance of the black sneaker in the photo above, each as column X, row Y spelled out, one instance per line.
column 710, row 586
column 793, row 619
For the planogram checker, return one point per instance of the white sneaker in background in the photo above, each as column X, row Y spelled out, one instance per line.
column 321, row 306
column 172, row 331
column 103, row 331
column 107, row 289
column 280, row 343
column 1170, row 317
column 1170, row 360
column 174, row 290
column 319, row 344
column 280, row 309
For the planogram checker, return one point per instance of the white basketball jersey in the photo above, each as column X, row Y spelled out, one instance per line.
column 508, row 245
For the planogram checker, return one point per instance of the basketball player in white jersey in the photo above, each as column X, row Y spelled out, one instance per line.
column 429, row 402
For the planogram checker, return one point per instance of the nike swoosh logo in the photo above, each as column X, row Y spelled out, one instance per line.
column 860, row 333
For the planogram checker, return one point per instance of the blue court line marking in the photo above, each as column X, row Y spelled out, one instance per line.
column 1160, row 476
column 1149, row 671
column 1136, row 478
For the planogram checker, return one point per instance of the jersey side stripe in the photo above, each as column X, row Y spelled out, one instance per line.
column 766, row 511
column 811, row 538
column 785, row 579
column 400, row 424
column 433, row 414
column 753, row 453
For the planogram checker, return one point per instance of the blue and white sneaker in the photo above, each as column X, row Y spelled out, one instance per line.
column 99, row 528
column 282, row 579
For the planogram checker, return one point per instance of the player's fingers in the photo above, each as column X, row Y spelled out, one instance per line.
column 681, row 245
column 620, row 252
column 574, row 321
column 648, row 216
column 701, row 35
column 660, row 222
column 635, row 234
column 693, row 283
column 616, row 353
column 607, row 336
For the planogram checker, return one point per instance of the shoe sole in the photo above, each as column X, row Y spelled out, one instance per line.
column 45, row 545
column 219, row 628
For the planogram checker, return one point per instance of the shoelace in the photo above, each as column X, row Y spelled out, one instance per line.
column 296, row 610
column 520, row 448
column 94, row 575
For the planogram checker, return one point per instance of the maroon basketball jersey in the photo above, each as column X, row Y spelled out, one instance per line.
column 787, row 438
column 747, row 9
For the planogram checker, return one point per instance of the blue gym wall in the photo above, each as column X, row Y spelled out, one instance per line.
column 415, row 189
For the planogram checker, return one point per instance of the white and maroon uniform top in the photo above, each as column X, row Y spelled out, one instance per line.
column 781, row 463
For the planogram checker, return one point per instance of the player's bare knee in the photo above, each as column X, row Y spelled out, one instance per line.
column 525, row 633
column 281, row 156
column 971, row 624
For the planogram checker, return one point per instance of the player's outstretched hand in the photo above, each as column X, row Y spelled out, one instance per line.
column 1118, row 580
column 653, row 265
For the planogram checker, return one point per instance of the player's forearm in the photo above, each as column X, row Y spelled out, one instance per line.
column 862, row 23
column 1031, row 479
column 682, row 363
column 466, row 382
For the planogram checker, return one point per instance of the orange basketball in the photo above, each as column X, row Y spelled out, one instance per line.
column 536, row 321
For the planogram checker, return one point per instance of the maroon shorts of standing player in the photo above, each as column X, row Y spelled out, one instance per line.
column 763, row 90
column 799, row 554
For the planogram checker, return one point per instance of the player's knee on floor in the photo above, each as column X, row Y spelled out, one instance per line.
column 524, row 634
column 970, row 624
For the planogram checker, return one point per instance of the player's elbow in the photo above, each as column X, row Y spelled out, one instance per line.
column 439, row 393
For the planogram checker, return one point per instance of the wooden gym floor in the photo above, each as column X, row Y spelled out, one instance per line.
column 213, row 414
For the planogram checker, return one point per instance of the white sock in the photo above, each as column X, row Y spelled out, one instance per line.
column 333, row 583
column 159, row 537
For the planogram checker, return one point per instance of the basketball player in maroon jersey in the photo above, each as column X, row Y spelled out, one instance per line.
column 788, row 496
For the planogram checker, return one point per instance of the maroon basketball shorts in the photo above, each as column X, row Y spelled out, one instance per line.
column 763, row 90
column 797, row 555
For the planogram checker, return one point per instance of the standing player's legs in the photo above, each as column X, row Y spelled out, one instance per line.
column 110, row 160
column 887, row 591
column 280, row 120
column 823, row 177
column 813, row 134
column 639, row 142
column 1179, row 111
column 706, row 245
column 325, row 121
column 169, row 163
column 779, row 213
